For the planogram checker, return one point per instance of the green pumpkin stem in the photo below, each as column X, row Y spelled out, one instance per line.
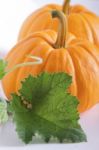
column 66, row 6
column 62, row 31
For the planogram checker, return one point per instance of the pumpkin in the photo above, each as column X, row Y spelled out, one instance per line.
column 81, row 22
column 60, row 52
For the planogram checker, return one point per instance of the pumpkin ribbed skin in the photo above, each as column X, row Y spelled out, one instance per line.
column 81, row 22
column 80, row 59
column 39, row 20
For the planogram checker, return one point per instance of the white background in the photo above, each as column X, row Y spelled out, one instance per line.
column 12, row 14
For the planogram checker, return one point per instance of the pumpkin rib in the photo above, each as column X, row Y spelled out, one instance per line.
column 85, row 31
column 9, row 55
column 83, row 106
column 89, row 103
column 31, row 19
column 13, row 53
column 92, row 30
column 78, row 9
column 24, row 43
column 19, row 58
column 37, row 20
column 35, row 51
column 63, row 55
column 75, row 79
column 49, row 36
column 83, row 71
column 42, row 35
column 47, row 59
column 53, row 6
column 94, row 52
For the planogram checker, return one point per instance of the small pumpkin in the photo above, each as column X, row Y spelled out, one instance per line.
column 60, row 53
column 81, row 22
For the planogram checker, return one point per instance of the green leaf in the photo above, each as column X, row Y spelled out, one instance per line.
column 53, row 111
column 3, row 65
column 3, row 112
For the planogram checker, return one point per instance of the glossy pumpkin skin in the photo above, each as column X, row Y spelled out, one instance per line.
column 81, row 22
column 79, row 59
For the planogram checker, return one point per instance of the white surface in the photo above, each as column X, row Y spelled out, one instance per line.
column 12, row 13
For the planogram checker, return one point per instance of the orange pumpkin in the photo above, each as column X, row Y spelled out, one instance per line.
column 81, row 22
column 62, row 53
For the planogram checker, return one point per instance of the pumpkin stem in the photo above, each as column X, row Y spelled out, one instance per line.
column 66, row 6
column 62, row 31
column 38, row 61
